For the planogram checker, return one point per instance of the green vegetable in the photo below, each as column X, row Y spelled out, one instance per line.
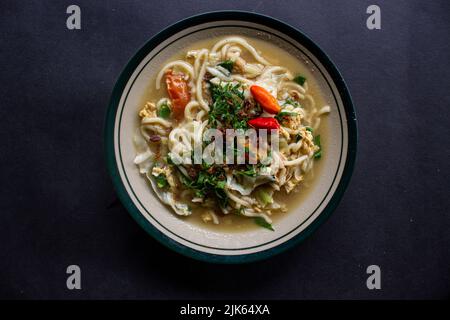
column 221, row 197
column 186, row 181
column 263, row 197
column 164, row 111
column 263, row 223
column 228, row 100
column 161, row 181
column 300, row 80
column 208, row 184
column 250, row 171
column 283, row 114
column 318, row 153
column 199, row 194
column 292, row 103
column 309, row 129
column 221, row 184
column 227, row 64
column 169, row 159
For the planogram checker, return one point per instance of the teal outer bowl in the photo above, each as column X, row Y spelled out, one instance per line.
column 222, row 16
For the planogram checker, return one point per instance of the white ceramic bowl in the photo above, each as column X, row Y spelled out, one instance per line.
column 207, row 244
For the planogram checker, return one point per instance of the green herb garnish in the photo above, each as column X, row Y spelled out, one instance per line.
column 263, row 197
column 227, row 64
column 228, row 100
column 263, row 223
column 169, row 159
column 208, row 183
column 284, row 114
column 292, row 103
column 161, row 181
column 250, row 172
column 318, row 153
column 300, row 80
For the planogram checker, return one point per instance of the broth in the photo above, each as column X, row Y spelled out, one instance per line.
column 277, row 56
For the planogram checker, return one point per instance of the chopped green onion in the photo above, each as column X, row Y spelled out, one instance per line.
column 300, row 80
column 161, row 181
column 263, row 197
column 318, row 153
column 292, row 103
column 309, row 129
column 263, row 223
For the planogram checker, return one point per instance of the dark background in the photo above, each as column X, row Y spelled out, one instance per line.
column 57, row 203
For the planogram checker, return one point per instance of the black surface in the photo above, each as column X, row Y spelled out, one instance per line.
column 58, row 206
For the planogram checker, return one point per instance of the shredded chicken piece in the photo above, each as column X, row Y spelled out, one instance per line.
column 148, row 111
column 249, row 70
column 293, row 122
column 292, row 184
column 308, row 145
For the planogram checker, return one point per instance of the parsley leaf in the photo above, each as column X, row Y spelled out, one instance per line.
column 227, row 64
column 228, row 100
column 208, row 183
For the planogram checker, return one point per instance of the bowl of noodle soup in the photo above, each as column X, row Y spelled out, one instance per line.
column 230, row 137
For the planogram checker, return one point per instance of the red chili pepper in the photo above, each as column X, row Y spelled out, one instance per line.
column 265, row 99
column 264, row 123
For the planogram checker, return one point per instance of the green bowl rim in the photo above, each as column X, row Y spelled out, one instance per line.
column 221, row 16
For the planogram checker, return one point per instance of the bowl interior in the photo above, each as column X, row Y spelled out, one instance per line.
column 207, row 240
